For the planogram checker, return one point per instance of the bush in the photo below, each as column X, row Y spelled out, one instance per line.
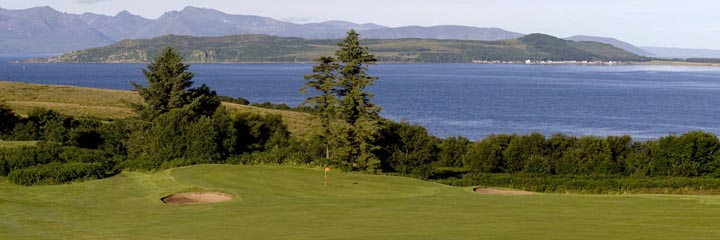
column 257, row 132
column 59, row 173
column 17, row 158
column 239, row 100
column 271, row 156
column 7, row 120
column 406, row 148
column 610, row 184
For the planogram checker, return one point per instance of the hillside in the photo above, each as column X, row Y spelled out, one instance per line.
column 292, row 203
column 612, row 41
column 265, row 48
column 441, row 32
column 46, row 30
column 112, row 104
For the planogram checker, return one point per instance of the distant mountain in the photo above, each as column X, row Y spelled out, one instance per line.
column 266, row 48
column 346, row 25
column 441, row 32
column 683, row 53
column 612, row 41
column 45, row 30
column 121, row 26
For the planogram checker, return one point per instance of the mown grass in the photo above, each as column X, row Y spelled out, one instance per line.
column 113, row 104
column 15, row 144
column 292, row 203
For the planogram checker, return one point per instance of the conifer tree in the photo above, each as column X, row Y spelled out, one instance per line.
column 350, row 118
column 168, row 88
column 357, row 107
column 324, row 81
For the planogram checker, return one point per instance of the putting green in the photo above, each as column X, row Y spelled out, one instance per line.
column 292, row 203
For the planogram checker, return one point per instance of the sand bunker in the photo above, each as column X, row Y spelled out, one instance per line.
column 196, row 198
column 492, row 191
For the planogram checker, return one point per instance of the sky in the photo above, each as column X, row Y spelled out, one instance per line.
column 660, row 23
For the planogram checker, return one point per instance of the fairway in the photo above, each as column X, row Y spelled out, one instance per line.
column 291, row 203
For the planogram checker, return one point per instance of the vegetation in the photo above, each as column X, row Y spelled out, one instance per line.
column 703, row 60
column 263, row 48
column 177, row 125
column 15, row 144
column 103, row 104
column 350, row 119
column 591, row 184
column 272, row 202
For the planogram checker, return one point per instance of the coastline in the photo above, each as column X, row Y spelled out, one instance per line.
column 558, row 63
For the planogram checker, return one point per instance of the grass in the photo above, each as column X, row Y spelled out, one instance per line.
column 75, row 101
column 291, row 203
column 14, row 144
column 113, row 104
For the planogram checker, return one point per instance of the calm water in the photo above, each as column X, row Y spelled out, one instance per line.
column 464, row 99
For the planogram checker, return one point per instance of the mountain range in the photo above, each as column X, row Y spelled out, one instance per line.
column 43, row 30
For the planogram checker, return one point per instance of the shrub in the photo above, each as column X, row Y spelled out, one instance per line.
column 7, row 120
column 610, row 184
column 239, row 100
column 59, row 173
column 17, row 158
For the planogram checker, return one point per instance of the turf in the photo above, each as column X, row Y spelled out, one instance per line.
column 292, row 203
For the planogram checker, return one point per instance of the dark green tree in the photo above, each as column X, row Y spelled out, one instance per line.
column 168, row 88
column 7, row 120
column 452, row 150
column 323, row 80
column 350, row 119
column 356, row 105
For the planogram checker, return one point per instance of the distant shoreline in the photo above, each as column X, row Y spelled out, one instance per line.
column 614, row 63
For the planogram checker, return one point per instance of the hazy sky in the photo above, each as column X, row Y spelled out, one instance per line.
column 665, row 23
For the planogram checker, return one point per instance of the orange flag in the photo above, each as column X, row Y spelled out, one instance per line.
column 327, row 169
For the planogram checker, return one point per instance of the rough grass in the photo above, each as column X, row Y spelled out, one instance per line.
column 113, row 104
column 15, row 144
column 291, row 203
column 76, row 101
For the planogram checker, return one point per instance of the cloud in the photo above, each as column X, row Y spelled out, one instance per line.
column 91, row 1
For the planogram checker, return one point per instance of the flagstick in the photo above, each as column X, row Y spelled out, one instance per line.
column 325, row 178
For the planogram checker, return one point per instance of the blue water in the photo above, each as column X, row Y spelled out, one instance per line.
column 464, row 99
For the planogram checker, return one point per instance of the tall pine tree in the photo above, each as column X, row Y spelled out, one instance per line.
column 324, row 81
column 350, row 118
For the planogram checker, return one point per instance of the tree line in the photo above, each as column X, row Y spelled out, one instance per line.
column 178, row 124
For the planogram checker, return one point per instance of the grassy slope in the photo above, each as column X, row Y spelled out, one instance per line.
column 291, row 203
column 112, row 104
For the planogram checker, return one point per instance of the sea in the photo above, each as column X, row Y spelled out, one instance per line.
column 470, row 100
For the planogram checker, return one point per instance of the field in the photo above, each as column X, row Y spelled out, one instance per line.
column 113, row 104
column 291, row 203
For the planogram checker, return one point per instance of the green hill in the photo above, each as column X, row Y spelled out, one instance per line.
column 291, row 203
column 264, row 48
